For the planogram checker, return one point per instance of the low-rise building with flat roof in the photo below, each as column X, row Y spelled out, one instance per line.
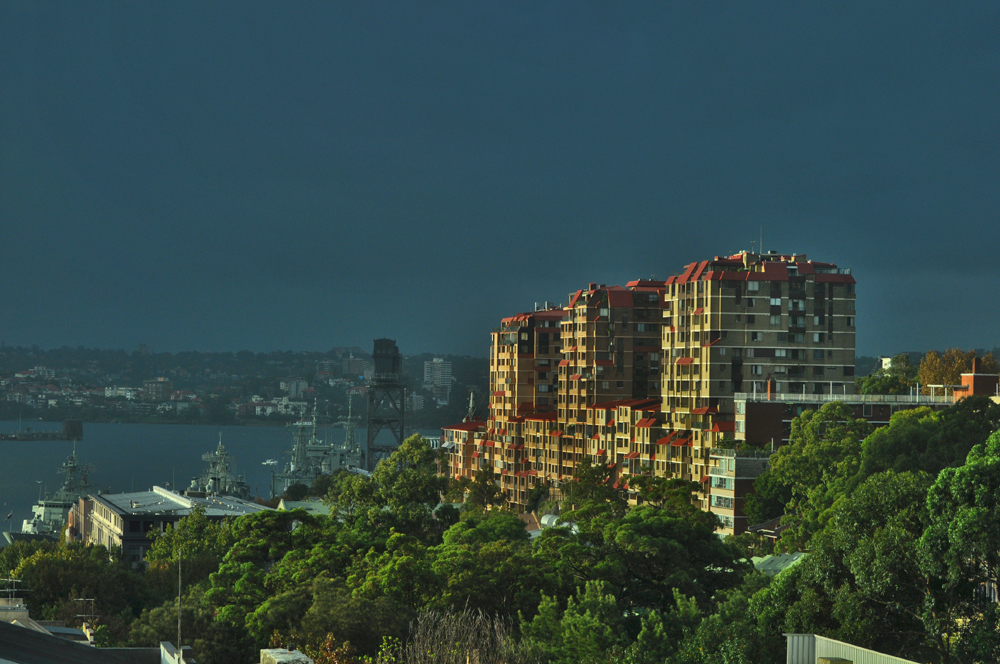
column 123, row 520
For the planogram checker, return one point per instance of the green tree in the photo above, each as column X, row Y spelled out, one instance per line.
column 484, row 491
column 960, row 547
column 485, row 563
column 589, row 627
column 922, row 439
column 819, row 466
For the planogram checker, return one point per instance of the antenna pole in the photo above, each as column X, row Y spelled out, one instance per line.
column 180, row 555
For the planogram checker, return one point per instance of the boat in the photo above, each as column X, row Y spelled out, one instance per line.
column 49, row 514
column 219, row 479
column 311, row 457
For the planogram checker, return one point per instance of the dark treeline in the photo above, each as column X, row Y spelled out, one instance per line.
column 902, row 527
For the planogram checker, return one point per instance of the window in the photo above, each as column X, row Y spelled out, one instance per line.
column 753, row 285
column 850, row 321
column 818, row 354
column 775, row 320
column 722, row 351
column 817, row 320
column 756, row 370
column 641, row 327
column 620, row 383
column 850, row 305
column 603, row 311
column 817, row 371
column 775, row 301
column 799, row 338
column 750, row 303
column 741, row 426
column 818, row 337
column 524, row 336
column 605, row 384
column 755, row 336
column 781, row 352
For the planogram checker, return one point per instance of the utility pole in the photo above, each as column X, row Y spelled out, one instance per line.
column 180, row 556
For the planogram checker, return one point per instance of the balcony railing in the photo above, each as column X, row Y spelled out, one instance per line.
column 792, row 397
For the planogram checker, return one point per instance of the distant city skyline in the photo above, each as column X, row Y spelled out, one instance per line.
column 317, row 175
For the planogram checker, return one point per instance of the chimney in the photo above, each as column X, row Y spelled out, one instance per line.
column 593, row 285
column 975, row 365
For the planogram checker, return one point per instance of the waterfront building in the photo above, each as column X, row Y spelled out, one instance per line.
column 124, row 520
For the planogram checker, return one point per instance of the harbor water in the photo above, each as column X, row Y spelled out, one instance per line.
column 129, row 457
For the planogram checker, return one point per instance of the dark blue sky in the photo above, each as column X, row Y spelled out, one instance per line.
column 219, row 176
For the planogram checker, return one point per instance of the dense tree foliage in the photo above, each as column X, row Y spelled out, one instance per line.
column 899, row 378
column 901, row 527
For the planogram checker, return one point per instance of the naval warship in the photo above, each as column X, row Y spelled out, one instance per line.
column 49, row 514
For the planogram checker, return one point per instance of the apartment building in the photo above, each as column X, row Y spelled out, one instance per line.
column 524, row 361
column 644, row 378
column 734, row 323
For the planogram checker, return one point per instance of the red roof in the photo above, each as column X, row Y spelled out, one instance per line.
column 705, row 410
column 646, row 422
column 698, row 311
column 555, row 434
column 619, row 297
column 563, row 363
column 724, row 426
column 632, row 455
column 602, row 451
column 575, row 377
column 474, row 425
column 499, row 393
column 685, row 360
column 704, row 478
column 835, row 279
column 666, row 439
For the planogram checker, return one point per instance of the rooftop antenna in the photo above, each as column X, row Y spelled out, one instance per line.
column 762, row 238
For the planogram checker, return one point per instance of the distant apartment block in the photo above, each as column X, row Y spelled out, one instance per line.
column 437, row 379
column 157, row 389
column 293, row 386
column 356, row 367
